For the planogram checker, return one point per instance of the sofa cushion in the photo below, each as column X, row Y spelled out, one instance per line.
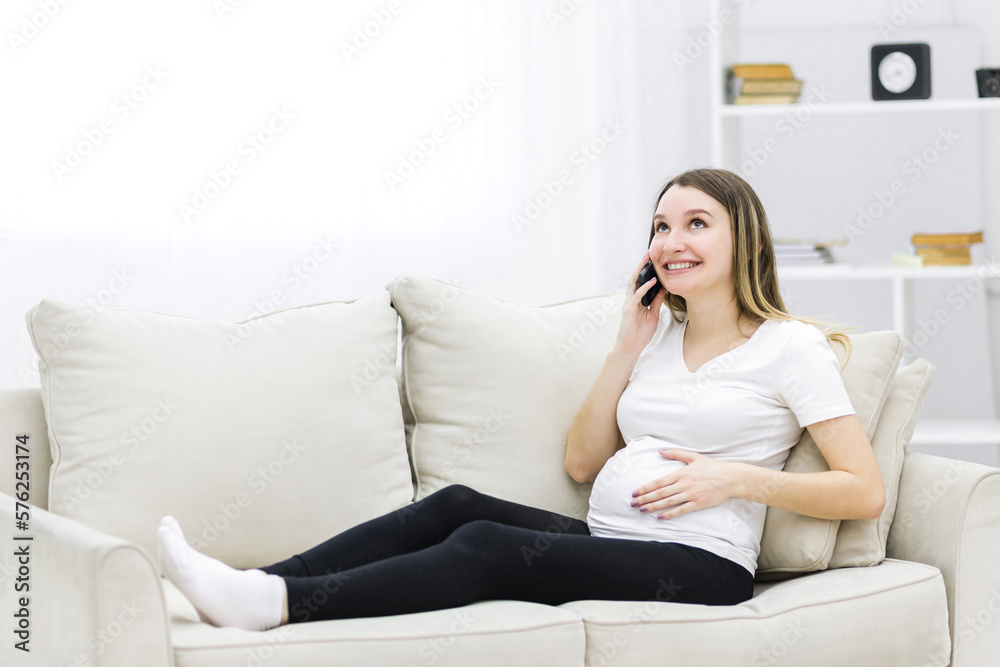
column 493, row 388
column 861, row 542
column 492, row 404
column 794, row 542
column 235, row 429
column 814, row 620
column 498, row 632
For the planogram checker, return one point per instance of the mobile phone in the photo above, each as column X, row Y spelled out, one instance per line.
column 645, row 274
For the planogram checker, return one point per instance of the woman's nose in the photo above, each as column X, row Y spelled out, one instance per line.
column 672, row 244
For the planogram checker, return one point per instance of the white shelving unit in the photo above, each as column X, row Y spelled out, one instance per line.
column 927, row 432
column 901, row 279
column 725, row 127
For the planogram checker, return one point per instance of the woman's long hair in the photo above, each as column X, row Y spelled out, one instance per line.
column 754, row 266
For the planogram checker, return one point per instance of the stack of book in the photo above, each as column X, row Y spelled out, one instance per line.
column 763, row 84
column 946, row 248
column 792, row 251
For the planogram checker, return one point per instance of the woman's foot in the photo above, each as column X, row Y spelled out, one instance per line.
column 248, row 599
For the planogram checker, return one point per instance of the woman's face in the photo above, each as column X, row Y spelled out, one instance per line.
column 692, row 247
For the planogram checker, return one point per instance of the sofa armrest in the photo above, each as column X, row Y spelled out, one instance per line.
column 23, row 413
column 92, row 599
column 948, row 515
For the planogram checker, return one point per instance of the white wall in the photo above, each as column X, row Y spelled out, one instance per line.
column 562, row 78
column 565, row 70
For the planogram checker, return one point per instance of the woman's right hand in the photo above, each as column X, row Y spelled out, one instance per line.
column 638, row 322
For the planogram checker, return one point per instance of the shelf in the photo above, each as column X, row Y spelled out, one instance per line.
column 849, row 271
column 863, row 107
column 900, row 278
column 956, row 432
column 726, row 124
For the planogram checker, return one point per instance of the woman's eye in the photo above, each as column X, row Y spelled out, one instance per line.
column 661, row 226
column 699, row 221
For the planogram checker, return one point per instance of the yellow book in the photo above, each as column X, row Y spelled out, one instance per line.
column 769, row 86
column 946, row 261
column 934, row 251
column 766, row 99
column 946, row 238
column 763, row 71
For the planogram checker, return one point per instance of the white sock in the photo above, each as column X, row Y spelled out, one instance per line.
column 248, row 599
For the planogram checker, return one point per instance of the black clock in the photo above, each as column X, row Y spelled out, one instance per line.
column 901, row 71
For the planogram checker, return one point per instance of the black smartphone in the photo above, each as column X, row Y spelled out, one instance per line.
column 645, row 274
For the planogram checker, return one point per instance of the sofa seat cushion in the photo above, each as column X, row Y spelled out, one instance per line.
column 499, row 632
column 894, row 613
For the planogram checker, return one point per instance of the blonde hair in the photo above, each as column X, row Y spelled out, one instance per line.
column 754, row 267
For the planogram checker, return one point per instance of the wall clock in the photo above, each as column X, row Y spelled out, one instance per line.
column 901, row 71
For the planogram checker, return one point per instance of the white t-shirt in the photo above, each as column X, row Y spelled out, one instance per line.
column 750, row 404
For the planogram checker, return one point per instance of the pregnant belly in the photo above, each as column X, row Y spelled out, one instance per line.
column 610, row 509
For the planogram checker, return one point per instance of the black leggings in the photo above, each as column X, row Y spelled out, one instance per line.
column 458, row 546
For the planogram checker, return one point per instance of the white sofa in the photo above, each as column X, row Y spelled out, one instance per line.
column 267, row 436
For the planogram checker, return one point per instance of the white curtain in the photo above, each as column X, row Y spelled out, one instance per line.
column 215, row 158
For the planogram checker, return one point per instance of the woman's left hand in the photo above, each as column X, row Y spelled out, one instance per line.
column 703, row 482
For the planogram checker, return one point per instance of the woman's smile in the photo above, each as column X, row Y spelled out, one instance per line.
column 674, row 268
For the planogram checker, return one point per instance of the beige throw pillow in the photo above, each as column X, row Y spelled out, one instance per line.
column 792, row 542
column 263, row 438
column 861, row 542
column 493, row 388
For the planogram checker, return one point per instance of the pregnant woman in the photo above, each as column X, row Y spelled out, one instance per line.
column 684, row 434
